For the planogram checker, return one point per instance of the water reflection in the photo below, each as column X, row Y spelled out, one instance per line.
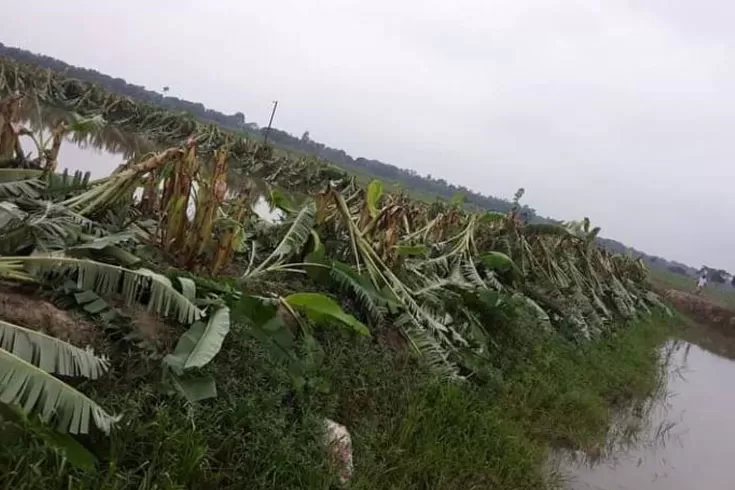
column 99, row 161
column 110, row 138
column 100, row 156
column 683, row 438
column 100, row 151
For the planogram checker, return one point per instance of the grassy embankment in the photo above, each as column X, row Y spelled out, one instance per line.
column 409, row 430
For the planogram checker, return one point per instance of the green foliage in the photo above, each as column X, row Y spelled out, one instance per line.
column 36, row 392
column 26, row 359
column 29, row 188
column 414, row 432
column 297, row 234
column 411, row 250
column 319, row 308
column 198, row 346
column 498, row 261
column 14, row 424
column 16, row 175
column 373, row 195
column 64, row 247
column 106, row 279
column 49, row 353
column 348, row 281
column 409, row 430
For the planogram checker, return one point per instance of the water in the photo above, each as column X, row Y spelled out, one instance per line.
column 685, row 439
column 104, row 151
column 86, row 157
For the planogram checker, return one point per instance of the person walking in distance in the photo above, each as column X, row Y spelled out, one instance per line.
column 701, row 283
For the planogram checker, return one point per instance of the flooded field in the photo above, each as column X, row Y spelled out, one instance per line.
column 102, row 152
column 682, row 439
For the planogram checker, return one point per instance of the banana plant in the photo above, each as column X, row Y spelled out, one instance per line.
column 28, row 359
column 405, row 263
column 299, row 231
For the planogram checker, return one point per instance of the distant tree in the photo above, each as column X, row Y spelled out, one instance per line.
column 723, row 275
column 166, row 89
column 715, row 275
column 239, row 119
column 305, row 138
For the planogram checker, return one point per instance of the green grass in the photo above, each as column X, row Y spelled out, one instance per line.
column 409, row 430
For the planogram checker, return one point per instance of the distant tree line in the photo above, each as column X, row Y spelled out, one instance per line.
column 408, row 178
column 652, row 261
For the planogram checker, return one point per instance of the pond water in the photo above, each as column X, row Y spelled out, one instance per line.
column 105, row 151
column 87, row 158
column 682, row 439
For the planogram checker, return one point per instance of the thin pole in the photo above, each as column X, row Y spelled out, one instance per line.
column 270, row 123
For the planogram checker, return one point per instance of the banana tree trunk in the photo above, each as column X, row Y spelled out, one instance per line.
column 209, row 198
column 9, row 115
column 227, row 242
column 52, row 156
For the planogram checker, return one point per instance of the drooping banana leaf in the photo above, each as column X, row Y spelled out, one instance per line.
column 198, row 346
column 49, row 353
column 319, row 307
column 106, row 279
column 349, row 281
column 74, row 452
column 34, row 391
column 30, row 189
column 298, row 233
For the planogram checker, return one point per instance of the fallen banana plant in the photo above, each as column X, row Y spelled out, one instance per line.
column 27, row 361
column 106, row 279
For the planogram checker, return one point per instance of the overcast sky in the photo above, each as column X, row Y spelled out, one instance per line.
column 622, row 111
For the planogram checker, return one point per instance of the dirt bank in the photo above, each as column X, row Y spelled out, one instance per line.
column 702, row 310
